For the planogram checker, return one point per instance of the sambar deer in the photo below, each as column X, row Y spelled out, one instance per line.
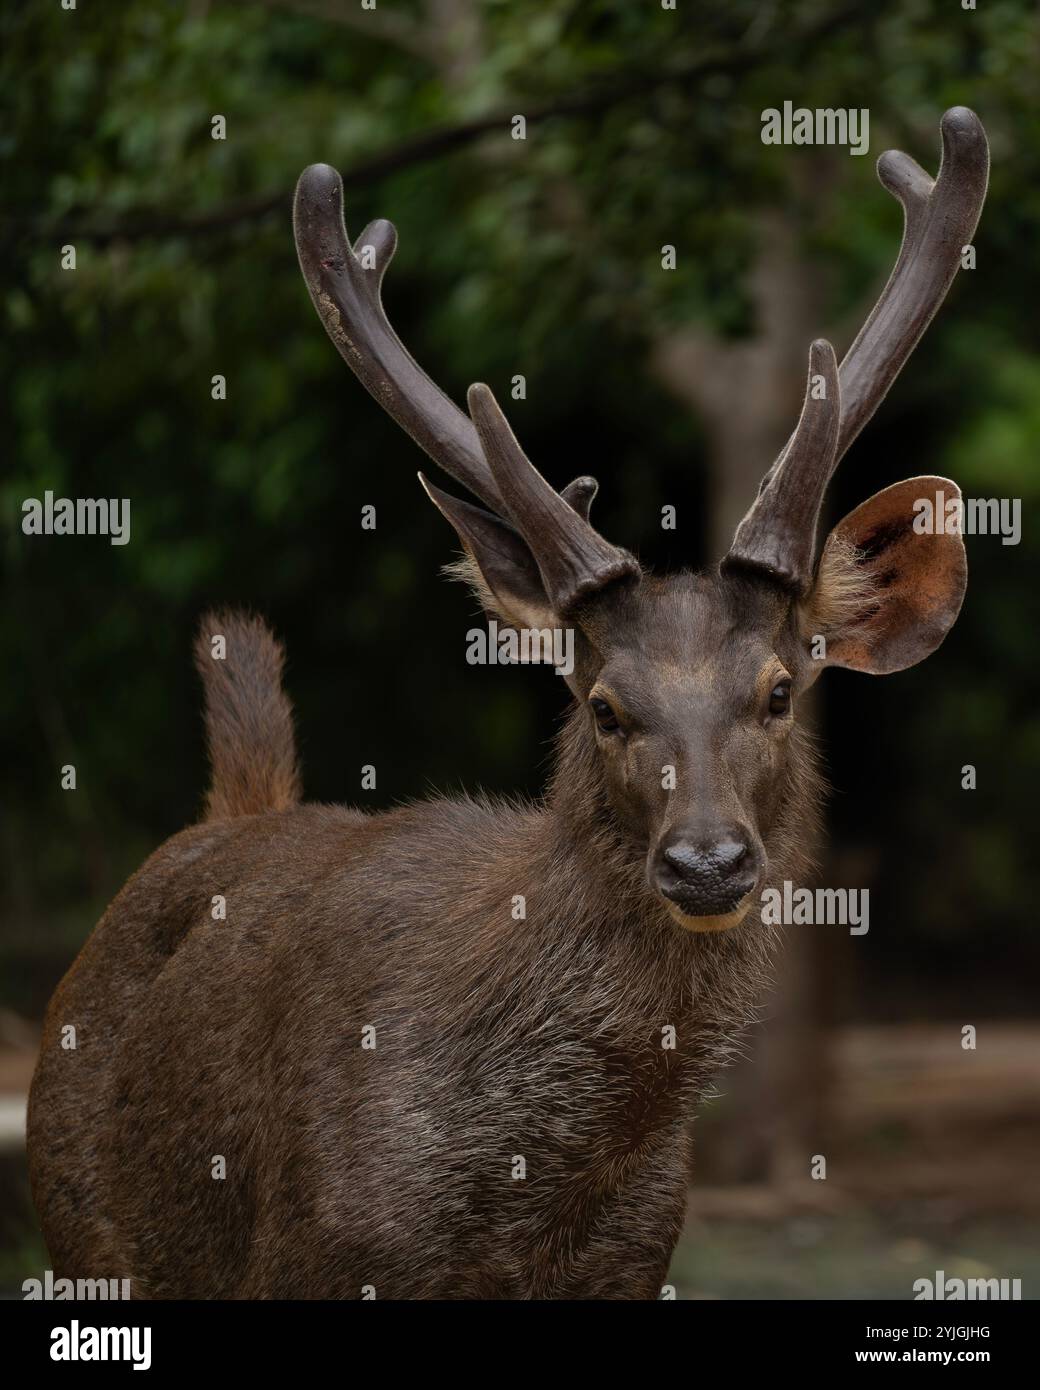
column 372, row 1078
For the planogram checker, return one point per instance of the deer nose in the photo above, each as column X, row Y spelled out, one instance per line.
column 707, row 876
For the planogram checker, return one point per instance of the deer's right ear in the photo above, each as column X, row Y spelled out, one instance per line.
column 498, row 565
column 891, row 579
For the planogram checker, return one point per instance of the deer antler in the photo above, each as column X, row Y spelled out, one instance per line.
column 482, row 454
column 348, row 299
column 777, row 536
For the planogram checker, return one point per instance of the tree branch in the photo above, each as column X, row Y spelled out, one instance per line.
column 422, row 148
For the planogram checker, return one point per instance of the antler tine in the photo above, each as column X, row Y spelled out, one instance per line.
column 778, row 535
column 940, row 218
column 574, row 560
column 580, row 494
column 347, row 296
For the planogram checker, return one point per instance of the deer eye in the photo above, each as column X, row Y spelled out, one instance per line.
column 605, row 716
column 780, row 698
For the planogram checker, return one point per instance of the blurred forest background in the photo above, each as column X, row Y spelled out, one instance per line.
column 539, row 257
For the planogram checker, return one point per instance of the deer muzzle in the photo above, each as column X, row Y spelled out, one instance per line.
column 708, row 881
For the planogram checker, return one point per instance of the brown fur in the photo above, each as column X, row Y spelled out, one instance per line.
column 496, row 1038
column 249, row 726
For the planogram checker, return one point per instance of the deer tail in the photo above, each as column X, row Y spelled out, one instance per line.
column 249, row 722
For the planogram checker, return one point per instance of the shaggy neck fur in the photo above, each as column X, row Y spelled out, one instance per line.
column 708, row 983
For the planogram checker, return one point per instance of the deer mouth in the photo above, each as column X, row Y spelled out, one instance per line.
column 722, row 921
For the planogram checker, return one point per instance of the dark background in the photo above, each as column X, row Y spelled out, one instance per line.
column 540, row 257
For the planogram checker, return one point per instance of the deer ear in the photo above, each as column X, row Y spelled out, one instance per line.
column 498, row 565
column 891, row 578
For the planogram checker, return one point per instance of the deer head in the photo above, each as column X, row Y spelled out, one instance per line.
column 690, row 683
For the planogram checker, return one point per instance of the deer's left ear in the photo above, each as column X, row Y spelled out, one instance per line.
column 891, row 579
column 498, row 567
